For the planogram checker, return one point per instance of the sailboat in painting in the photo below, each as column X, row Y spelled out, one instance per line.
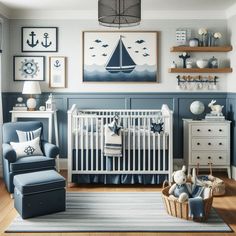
column 120, row 60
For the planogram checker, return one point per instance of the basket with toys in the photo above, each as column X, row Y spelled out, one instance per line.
column 185, row 199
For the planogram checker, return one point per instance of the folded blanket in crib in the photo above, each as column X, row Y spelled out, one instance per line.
column 113, row 140
column 196, row 208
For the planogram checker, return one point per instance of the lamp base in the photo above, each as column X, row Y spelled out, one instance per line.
column 31, row 104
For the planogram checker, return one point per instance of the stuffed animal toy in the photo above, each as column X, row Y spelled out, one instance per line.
column 180, row 190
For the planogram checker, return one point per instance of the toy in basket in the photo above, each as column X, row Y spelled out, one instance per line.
column 216, row 184
column 187, row 200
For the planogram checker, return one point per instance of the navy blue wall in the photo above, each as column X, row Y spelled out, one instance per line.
column 178, row 102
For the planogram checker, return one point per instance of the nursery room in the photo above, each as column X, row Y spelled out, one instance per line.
column 117, row 117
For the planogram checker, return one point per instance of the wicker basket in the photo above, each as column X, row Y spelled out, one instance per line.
column 180, row 210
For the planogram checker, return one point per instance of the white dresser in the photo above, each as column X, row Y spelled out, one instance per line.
column 207, row 142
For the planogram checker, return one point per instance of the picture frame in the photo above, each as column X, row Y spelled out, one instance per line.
column 39, row 39
column 120, row 56
column 30, row 68
column 57, row 72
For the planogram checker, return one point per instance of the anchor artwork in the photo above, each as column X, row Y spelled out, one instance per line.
column 120, row 56
column 39, row 39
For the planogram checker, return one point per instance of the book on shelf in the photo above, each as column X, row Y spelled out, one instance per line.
column 210, row 116
column 19, row 108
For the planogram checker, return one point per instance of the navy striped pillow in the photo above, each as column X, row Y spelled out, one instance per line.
column 25, row 136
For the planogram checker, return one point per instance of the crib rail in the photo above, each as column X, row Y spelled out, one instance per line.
column 143, row 152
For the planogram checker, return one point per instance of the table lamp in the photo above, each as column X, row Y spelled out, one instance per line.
column 31, row 87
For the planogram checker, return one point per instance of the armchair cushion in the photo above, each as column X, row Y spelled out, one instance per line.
column 30, row 148
column 8, row 152
column 49, row 149
column 24, row 136
column 32, row 163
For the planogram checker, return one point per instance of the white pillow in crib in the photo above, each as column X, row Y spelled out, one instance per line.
column 29, row 148
column 24, row 136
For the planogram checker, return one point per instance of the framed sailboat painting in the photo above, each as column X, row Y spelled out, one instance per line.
column 120, row 56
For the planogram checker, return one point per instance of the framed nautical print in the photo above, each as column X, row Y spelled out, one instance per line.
column 28, row 68
column 120, row 56
column 39, row 39
column 57, row 72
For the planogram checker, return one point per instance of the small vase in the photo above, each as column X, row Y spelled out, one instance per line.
column 204, row 40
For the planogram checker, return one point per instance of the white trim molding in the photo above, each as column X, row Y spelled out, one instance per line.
column 230, row 12
column 233, row 171
column 5, row 11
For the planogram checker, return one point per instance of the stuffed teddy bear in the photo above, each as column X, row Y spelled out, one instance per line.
column 180, row 190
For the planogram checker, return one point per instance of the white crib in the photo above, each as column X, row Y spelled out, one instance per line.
column 143, row 152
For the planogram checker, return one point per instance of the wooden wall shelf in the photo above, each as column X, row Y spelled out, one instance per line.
column 201, row 49
column 200, row 70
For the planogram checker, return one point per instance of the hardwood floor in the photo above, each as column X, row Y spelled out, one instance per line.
column 225, row 206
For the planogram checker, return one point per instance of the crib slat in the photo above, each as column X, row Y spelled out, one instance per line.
column 134, row 143
column 76, row 144
column 154, row 151
column 164, row 151
column 159, row 151
column 91, row 140
column 144, row 145
column 82, row 143
column 139, row 162
column 129, row 142
column 149, row 146
column 87, row 144
column 124, row 142
column 102, row 142
column 97, row 147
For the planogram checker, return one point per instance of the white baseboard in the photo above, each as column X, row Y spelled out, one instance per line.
column 233, row 170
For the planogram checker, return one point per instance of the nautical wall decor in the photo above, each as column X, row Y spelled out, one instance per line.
column 57, row 72
column 28, row 68
column 120, row 56
column 39, row 39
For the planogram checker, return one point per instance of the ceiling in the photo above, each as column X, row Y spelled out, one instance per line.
column 182, row 5
column 87, row 9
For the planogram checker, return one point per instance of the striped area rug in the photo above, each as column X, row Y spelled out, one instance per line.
column 115, row 212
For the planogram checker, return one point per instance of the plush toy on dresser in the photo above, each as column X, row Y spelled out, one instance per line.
column 181, row 190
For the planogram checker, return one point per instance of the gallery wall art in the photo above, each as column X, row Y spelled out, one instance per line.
column 120, row 56
column 28, row 68
column 57, row 72
column 39, row 39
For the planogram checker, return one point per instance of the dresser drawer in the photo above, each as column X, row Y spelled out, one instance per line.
column 204, row 158
column 209, row 144
column 209, row 130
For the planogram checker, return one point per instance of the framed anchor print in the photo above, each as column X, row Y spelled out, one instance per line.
column 28, row 68
column 120, row 56
column 39, row 39
column 57, row 72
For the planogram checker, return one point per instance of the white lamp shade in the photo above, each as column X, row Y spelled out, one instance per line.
column 31, row 87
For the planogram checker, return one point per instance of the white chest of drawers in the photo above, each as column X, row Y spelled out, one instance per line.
column 207, row 142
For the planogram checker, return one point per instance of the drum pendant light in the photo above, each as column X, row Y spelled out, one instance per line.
column 119, row 13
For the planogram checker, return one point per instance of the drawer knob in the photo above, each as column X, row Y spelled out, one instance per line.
column 209, row 157
column 198, row 130
column 198, row 157
column 220, row 144
column 220, row 130
column 209, row 130
column 209, row 144
column 220, row 157
column 198, row 144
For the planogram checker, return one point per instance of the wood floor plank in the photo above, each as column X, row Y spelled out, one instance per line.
column 225, row 206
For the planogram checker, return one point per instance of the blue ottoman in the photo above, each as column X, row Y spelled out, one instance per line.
column 39, row 193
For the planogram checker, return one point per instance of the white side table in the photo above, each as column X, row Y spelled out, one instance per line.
column 50, row 115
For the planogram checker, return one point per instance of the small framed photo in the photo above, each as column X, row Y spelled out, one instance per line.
column 39, row 39
column 57, row 72
column 28, row 68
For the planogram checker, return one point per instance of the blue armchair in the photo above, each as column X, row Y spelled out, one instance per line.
column 13, row 165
